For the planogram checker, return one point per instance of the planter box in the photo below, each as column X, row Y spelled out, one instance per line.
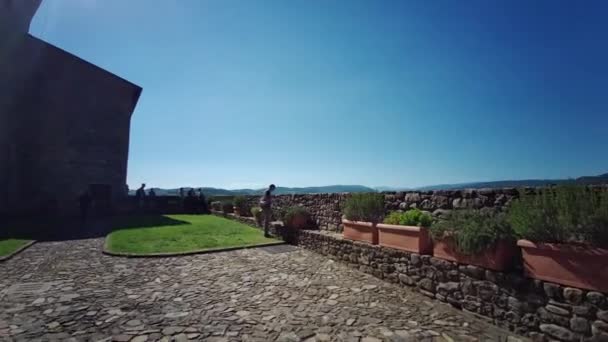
column 499, row 258
column 360, row 231
column 298, row 222
column 408, row 238
column 578, row 266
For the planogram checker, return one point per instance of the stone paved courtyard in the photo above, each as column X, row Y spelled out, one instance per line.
column 68, row 290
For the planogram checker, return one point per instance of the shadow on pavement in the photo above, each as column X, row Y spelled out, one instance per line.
column 62, row 229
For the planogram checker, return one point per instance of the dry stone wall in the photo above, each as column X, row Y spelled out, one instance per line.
column 326, row 209
column 543, row 311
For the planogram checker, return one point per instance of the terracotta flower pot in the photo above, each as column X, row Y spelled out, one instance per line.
column 298, row 222
column 407, row 238
column 572, row 265
column 499, row 258
column 360, row 231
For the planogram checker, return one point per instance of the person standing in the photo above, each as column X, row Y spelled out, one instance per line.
column 140, row 195
column 152, row 200
column 202, row 201
column 266, row 205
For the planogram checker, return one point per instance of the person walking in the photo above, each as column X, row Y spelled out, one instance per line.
column 266, row 205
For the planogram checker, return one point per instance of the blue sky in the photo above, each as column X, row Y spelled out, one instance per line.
column 398, row 93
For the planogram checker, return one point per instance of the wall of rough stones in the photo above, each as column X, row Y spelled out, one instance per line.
column 326, row 209
column 541, row 310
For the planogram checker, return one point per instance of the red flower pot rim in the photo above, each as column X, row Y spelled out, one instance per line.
column 399, row 227
column 567, row 246
column 359, row 223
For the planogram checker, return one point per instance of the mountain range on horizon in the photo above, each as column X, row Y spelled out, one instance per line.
column 209, row 191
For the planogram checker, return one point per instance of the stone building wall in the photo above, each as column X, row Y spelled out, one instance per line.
column 65, row 126
column 17, row 15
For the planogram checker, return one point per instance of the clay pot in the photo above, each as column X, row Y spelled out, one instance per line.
column 298, row 222
column 408, row 238
column 572, row 265
column 500, row 257
column 360, row 231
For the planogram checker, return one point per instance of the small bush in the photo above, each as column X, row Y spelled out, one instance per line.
column 367, row 207
column 216, row 205
column 296, row 217
column 564, row 214
column 414, row 217
column 227, row 207
column 473, row 231
column 240, row 202
column 257, row 213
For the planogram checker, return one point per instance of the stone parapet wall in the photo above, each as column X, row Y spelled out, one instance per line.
column 541, row 310
column 326, row 209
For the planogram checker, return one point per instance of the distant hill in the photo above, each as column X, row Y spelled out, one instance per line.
column 586, row 180
column 279, row 190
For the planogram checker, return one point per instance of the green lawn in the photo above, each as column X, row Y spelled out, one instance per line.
column 180, row 233
column 8, row 246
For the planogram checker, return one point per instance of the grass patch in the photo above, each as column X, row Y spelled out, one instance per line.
column 180, row 233
column 8, row 246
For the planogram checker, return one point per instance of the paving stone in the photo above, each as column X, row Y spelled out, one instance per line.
column 141, row 338
column 247, row 295
column 180, row 338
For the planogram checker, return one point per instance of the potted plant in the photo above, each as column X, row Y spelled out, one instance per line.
column 406, row 231
column 216, row 206
column 296, row 217
column 564, row 235
column 240, row 205
column 227, row 207
column 257, row 214
column 474, row 237
column 361, row 214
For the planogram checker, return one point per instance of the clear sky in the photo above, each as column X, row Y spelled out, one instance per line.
column 398, row 93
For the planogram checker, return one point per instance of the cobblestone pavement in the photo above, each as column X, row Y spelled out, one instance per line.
column 68, row 290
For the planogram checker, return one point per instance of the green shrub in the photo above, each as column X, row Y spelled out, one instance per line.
column 227, row 207
column 414, row 217
column 256, row 212
column 240, row 202
column 293, row 216
column 567, row 213
column 367, row 207
column 473, row 231
column 216, row 205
